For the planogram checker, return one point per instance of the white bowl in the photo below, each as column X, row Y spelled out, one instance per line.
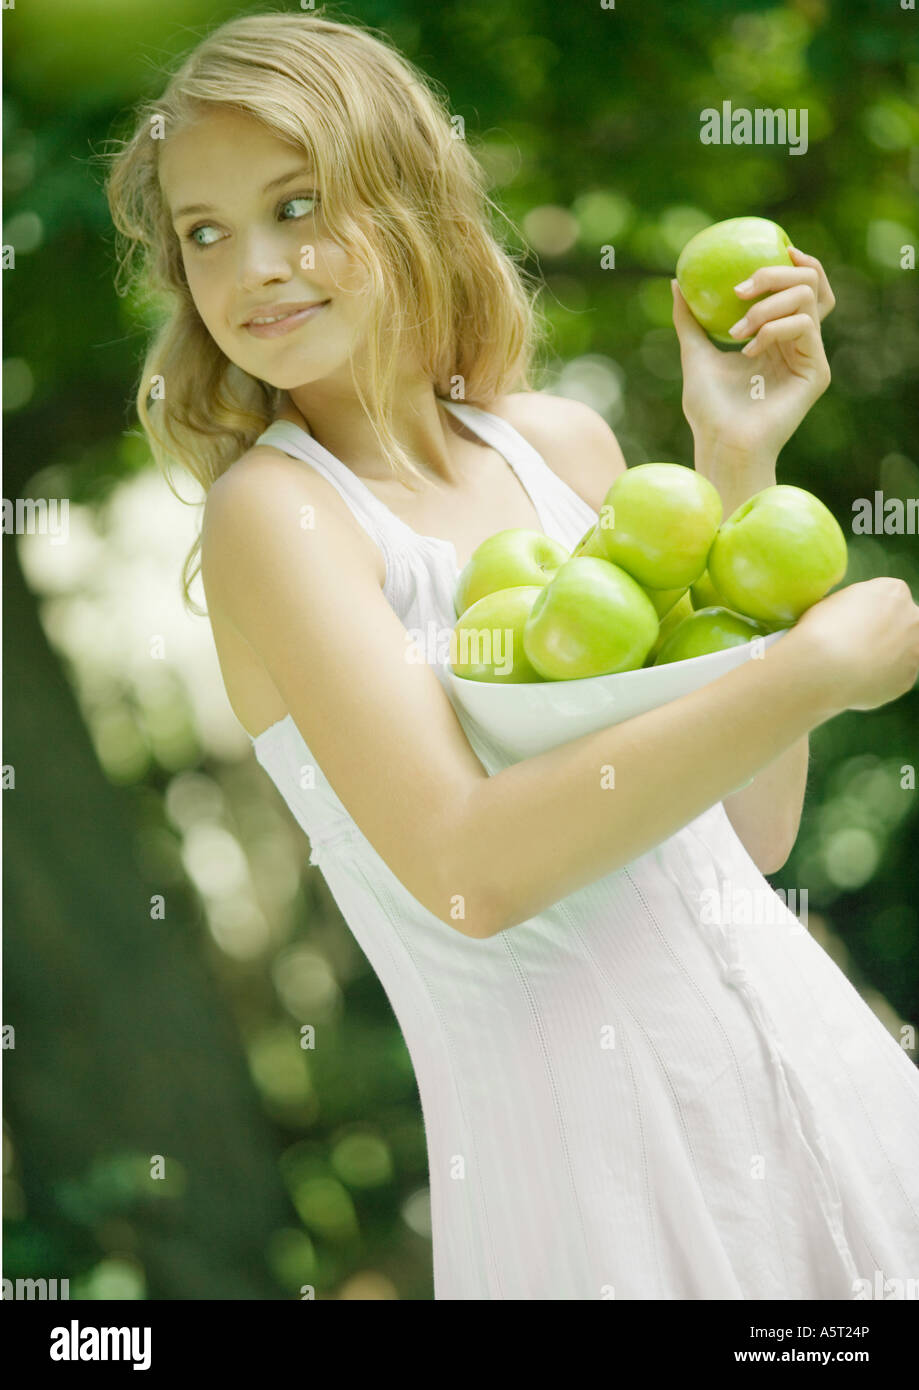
column 533, row 717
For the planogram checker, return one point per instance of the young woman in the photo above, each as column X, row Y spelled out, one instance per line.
column 621, row 1098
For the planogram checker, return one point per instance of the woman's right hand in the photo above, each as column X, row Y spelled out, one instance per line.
column 866, row 638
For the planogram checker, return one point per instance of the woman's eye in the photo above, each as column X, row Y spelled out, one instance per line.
column 302, row 198
column 312, row 198
column 193, row 235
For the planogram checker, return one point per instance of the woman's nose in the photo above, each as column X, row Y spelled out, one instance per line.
column 261, row 258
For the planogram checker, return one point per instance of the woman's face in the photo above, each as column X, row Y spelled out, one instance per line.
column 245, row 253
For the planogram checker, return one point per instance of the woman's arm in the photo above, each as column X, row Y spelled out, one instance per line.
column 766, row 815
column 483, row 853
column 577, row 443
column 742, row 407
column 551, row 824
column 547, row 826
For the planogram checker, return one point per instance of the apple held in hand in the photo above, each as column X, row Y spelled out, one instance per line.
column 505, row 560
column 720, row 257
column 658, row 522
column 780, row 552
column 707, row 630
column 592, row 619
column 487, row 641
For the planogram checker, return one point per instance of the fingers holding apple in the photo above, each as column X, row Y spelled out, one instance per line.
column 826, row 299
column 769, row 279
column 797, row 300
column 801, row 348
column 721, row 257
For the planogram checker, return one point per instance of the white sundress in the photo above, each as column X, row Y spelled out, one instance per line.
column 622, row 1097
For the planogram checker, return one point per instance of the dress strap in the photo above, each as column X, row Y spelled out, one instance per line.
column 375, row 517
column 285, row 435
column 560, row 509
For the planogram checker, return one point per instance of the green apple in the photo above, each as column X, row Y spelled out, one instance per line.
column 590, row 620
column 487, row 641
column 720, row 257
column 707, row 630
column 665, row 599
column 780, row 552
column 680, row 610
column 505, row 560
column 704, row 594
column 592, row 544
column 658, row 521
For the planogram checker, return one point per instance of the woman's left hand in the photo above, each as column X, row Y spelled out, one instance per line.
column 725, row 404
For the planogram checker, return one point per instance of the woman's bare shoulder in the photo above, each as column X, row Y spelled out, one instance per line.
column 287, row 492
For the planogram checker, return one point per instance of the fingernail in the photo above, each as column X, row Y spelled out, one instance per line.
column 743, row 287
column 738, row 329
column 673, row 286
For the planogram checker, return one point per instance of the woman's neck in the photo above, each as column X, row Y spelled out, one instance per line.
column 422, row 425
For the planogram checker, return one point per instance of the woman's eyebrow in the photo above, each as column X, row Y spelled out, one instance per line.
column 275, row 183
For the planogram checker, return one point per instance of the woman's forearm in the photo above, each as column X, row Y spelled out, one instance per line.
column 544, row 827
column 737, row 474
column 766, row 815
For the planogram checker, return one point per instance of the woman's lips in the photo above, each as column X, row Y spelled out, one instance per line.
column 285, row 325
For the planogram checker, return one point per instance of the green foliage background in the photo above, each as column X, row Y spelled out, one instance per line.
column 285, row 1168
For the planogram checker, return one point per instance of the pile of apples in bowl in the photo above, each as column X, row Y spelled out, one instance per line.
column 659, row 597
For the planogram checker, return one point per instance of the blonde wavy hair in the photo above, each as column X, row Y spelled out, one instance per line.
column 399, row 190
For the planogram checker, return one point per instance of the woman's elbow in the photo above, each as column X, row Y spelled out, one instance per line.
column 770, row 859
